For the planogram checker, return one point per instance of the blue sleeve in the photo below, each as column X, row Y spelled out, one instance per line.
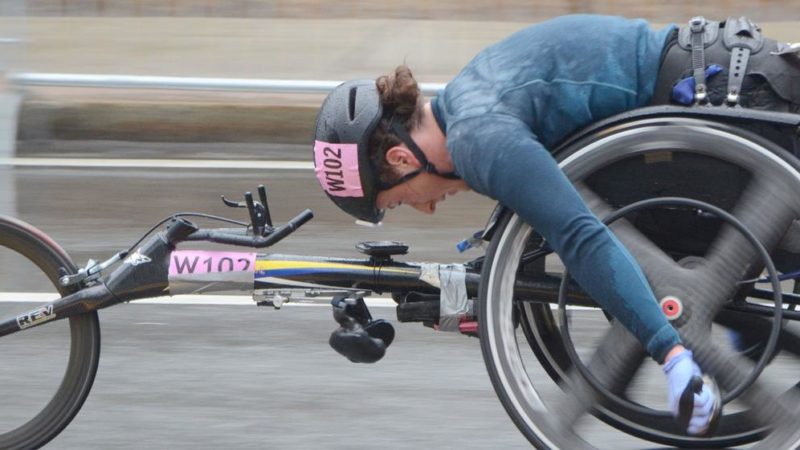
column 497, row 155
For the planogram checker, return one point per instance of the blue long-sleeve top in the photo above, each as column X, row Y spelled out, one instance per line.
column 550, row 79
column 521, row 96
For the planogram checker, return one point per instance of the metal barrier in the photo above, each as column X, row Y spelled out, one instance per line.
column 186, row 83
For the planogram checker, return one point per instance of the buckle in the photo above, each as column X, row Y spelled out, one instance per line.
column 697, row 24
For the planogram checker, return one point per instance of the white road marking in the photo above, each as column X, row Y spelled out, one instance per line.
column 157, row 163
column 36, row 297
column 237, row 300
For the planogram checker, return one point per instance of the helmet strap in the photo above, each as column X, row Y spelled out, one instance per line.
column 400, row 131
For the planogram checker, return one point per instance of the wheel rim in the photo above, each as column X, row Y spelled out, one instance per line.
column 40, row 406
column 537, row 321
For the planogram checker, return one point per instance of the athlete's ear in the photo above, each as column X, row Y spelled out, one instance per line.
column 400, row 158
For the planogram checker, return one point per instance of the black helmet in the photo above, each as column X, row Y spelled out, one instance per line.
column 345, row 124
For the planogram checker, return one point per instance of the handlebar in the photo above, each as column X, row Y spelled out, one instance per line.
column 241, row 236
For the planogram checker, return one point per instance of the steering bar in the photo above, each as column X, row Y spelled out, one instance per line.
column 242, row 237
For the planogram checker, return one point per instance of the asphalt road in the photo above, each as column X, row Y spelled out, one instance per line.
column 239, row 377
column 214, row 376
column 176, row 376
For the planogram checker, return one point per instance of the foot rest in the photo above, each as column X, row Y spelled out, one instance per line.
column 359, row 338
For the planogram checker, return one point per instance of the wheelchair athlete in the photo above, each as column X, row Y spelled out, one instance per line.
column 379, row 145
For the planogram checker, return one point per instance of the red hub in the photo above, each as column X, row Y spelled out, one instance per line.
column 672, row 307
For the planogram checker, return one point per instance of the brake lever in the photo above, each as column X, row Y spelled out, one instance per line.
column 231, row 203
column 256, row 210
column 260, row 218
column 262, row 195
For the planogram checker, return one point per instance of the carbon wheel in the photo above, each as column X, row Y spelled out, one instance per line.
column 686, row 255
column 48, row 370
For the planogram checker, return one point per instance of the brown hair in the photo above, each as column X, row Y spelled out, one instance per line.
column 401, row 101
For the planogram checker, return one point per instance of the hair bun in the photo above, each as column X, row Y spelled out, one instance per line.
column 400, row 93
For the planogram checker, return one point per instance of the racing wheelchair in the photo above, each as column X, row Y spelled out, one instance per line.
column 705, row 199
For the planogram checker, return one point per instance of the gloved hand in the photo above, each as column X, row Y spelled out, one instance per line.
column 705, row 408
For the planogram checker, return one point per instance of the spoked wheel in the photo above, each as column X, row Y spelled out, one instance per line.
column 695, row 263
column 48, row 370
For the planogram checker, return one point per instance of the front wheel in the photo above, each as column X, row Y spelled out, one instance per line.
column 46, row 371
column 685, row 254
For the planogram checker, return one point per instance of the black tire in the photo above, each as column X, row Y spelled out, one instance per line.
column 84, row 336
column 592, row 163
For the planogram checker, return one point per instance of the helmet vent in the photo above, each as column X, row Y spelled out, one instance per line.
column 351, row 105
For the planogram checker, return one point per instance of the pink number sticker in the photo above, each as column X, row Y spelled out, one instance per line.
column 336, row 167
column 188, row 262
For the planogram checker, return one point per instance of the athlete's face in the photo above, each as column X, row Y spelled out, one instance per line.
column 425, row 190
column 423, row 193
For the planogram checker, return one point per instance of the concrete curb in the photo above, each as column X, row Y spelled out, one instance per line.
column 42, row 119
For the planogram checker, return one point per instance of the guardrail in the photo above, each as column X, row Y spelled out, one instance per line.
column 186, row 83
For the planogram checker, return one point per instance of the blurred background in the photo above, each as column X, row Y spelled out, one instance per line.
column 330, row 40
column 318, row 40
column 270, row 39
column 434, row 395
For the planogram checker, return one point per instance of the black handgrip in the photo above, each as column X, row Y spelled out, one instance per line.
column 285, row 230
column 300, row 219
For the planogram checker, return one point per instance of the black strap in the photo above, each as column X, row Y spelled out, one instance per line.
column 697, row 26
column 400, row 131
column 736, row 73
column 744, row 38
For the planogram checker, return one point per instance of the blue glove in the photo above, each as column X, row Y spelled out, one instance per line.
column 680, row 371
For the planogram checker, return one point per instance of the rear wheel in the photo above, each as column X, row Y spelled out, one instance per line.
column 685, row 254
column 46, row 371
